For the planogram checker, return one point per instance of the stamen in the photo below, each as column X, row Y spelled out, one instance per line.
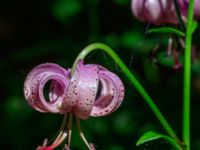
column 59, row 141
column 58, row 137
column 170, row 46
column 69, row 128
column 62, row 134
column 66, row 147
column 182, row 42
column 92, row 146
column 45, row 142
column 82, row 134
column 62, row 128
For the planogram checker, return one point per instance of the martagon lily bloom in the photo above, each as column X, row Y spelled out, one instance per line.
column 162, row 11
column 91, row 90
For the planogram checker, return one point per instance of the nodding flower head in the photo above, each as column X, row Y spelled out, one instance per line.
column 154, row 11
column 161, row 11
column 91, row 90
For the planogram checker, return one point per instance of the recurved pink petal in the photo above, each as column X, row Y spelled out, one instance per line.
column 183, row 7
column 36, row 81
column 111, row 96
column 197, row 9
column 169, row 11
column 137, row 7
column 153, row 11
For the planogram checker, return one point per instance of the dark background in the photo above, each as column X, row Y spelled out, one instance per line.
column 34, row 32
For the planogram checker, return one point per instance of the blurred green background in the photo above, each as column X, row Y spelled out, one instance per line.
column 34, row 32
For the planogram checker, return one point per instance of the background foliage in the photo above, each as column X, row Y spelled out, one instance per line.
column 34, row 32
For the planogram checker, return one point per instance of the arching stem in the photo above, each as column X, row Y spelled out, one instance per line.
column 132, row 79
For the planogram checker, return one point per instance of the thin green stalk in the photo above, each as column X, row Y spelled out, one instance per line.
column 133, row 80
column 187, row 78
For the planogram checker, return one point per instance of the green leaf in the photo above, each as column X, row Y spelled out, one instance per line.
column 166, row 30
column 152, row 137
column 194, row 25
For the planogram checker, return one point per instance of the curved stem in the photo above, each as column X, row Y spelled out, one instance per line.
column 133, row 80
column 187, row 77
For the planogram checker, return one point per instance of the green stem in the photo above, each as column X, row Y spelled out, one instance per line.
column 187, row 78
column 133, row 80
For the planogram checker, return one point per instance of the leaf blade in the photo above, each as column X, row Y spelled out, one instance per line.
column 153, row 136
column 167, row 30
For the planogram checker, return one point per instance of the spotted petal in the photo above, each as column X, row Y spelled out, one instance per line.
column 111, row 95
column 82, row 91
column 36, row 81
